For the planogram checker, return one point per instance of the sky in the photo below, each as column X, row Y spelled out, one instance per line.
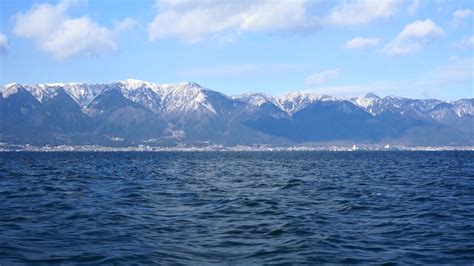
column 409, row 48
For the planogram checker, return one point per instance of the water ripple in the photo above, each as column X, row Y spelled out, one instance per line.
column 244, row 208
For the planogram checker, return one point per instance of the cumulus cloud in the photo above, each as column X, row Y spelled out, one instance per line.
column 465, row 44
column 362, row 43
column 55, row 32
column 3, row 43
column 462, row 13
column 194, row 20
column 414, row 37
column 322, row 77
column 125, row 25
column 462, row 16
column 358, row 12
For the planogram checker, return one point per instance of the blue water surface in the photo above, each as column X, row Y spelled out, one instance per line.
column 237, row 208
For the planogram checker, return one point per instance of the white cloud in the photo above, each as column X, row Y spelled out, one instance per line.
column 125, row 25
column 414, row 37
column 194, row 20
column 361, row 43
column 3, row 43
column 56, row 33
column 465, row 44
column 462, row 16
column 322, row 77
column 462, row 13
column 358, row 12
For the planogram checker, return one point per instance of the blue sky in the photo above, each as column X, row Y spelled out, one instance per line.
column 411, row 48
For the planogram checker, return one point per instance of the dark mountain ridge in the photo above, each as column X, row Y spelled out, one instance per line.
column 134, row 112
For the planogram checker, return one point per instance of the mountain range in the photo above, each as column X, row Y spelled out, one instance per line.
column 134, row 112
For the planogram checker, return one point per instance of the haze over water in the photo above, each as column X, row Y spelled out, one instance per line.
column 237, row 207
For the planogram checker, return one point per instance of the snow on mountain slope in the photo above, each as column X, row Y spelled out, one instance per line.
column 464, row 107
column 296, row 101
column 190, row 98
column 170, row 99
column 255, row 98
column 167, row 98
column 11, row 89
column 134, row 84
column 84, row 94
column 375, row 105
column 141, row 92
column 367, row 102
column 39, row 91
column 184, row 97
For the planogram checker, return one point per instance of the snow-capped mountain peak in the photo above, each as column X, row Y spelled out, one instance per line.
column 10, row 89
column 296, row 101
column 139, row 110
column 464, row 107
column 133, row 84
column 367, row 102
column 371, row 95
column 255, row 98
column 189, row 97
column 184, row 97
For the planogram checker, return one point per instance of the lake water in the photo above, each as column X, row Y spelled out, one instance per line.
column 237, row 207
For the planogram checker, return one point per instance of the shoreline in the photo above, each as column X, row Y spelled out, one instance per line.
column 220, row 148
